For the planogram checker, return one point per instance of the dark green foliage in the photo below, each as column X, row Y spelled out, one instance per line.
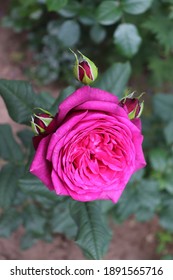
column 161, row 26
column 25, row 136
column 9, row 148
column 54, row 5
column 162, row 69
column 109, row 12
column 124, row 29
column 93, row 234
column 168, row 133
column 10, row 220
column 27, row 241
column 142, row 198
column 158, row 159
column 107, row 32
column 119, row 72
column 166, row 212
column 24, row 15
column 63, row 94
column 164, row 239
column 34, row 220
column 31, row 186
column 136, row 7
column 127, row 39
column 9, row 176
column 61, row 220
column 44, row 214
column 19, row 99
column 163, row 104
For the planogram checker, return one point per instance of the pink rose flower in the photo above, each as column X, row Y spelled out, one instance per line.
column 94, row 150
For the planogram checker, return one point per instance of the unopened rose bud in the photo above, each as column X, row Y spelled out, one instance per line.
column 85, row 70
column 41, row 121
column 133, row 106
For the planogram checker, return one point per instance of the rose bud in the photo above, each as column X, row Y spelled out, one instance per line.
column 132, row 106
column 40, row 122
column 85, row 70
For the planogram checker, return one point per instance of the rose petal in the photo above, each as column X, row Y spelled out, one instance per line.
column 40, row 167
column 82, row 95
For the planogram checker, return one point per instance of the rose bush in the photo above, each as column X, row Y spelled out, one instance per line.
column 93, row 150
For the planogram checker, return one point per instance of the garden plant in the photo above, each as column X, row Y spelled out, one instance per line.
column 131, row 43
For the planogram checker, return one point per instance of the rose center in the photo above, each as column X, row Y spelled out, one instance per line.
column 97, row 151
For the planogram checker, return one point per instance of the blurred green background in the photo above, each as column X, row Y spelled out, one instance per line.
column 131, row 42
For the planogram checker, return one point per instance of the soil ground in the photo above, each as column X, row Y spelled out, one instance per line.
column 131, row 240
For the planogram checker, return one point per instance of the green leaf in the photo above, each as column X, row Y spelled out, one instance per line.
column 25, row 136
column 168, row 183
column 109, row 12
column 148, row 198
column 61, row 221
column 115, row 78
column 106, row 206
column 163, row 104
column 27, row 241
column 97, row 34
column 166, row 216
column 46, row 100
column 55, row 5
column 144, row 214
column 127, row 39
column 69, row 33
column 9, row 175
column 36, row 15
column 30, row 185
column 128, row 204
column 86, row 16
column 19, row 99
column 140, row 198
column 63, row 95
column 162, row 70
column 160, row 25
column 34, row 221
column 19, row 199
column 9, row 148
column 87, row 20
column 168, row 132
column 136, row 7
column 137, row 177
column 158, row 159
column 70, row 10
column 9, row 222
column 93, row 234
